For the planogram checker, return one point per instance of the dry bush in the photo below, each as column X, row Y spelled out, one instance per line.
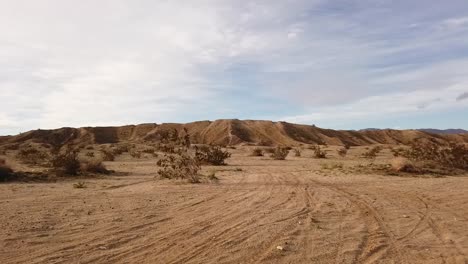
column 342, row 152
column 453, row 156
column 346, row 146
column 257, row 152
column 332, row 166
column 372, row 153
column 6, row 173
column 94, row 166
column 401, row 164
column 269, row 150
column 79, row 185
column 318, row 152
column 179, row 166
column 397, row 152
column 297, row 152
column 135, row 154
column 32, row 156
column 280, row 153
column 212, row 155
column 66, row 163
column 107, row 155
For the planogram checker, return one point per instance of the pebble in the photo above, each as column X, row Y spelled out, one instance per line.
column 279, row 248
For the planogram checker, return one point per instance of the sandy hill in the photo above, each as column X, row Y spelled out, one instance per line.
column 229, row 132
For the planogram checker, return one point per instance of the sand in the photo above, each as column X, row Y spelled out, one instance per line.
column 260, row 211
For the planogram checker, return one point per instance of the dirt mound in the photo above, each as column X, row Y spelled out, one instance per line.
column 230, row 132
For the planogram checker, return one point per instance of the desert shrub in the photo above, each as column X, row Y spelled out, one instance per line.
column 280, row 153
column 32, row 156
column 212, row 155
column 257, row 152
column 212, row 176
column 90, row 154
column 342, row 152
column 401, row 164
column 149, row 150
column 66, row 163
column 94, row 166
column 79, row 185
column 107, row 155
column 297, row 152
column 318, row 152
column 13, row 146
column 346, row 146
column 372, row 152
column 270, row 150
column 179, row 166
column 135, row 154
column 397, row 152
column 6, row 172
column 332, row 166
column 450, row 157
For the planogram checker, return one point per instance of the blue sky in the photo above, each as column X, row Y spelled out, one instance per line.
column 338, row 64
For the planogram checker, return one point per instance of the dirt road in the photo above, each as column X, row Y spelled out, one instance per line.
column 270, row 212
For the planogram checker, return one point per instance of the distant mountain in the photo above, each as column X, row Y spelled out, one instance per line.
column 444, row 131
column 428, row 130
column 228, row 132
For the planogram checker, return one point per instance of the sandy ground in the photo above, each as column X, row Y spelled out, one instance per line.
column 314, row 215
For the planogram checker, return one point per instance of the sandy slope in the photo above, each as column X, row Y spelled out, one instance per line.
column 316, row 216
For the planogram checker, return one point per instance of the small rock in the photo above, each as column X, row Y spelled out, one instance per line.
column 102, row 248
column 280, row 248
column 405, row 216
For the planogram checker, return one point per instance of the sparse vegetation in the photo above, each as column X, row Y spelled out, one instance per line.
column 401, row 164
column 280, row 153
column 79, row 185
column 212, row 155
column 183, row 166
column 135, row 154
column 318, row 152
column 342, row 152
column 66, row 163
column 297, row 152
column 6, row 172
column 107, row 155
column 372, row 152
column 432, row 155
column 94, row 166
column 331, row 166
column 257, row 152
column 33, row 156
column 212, row 176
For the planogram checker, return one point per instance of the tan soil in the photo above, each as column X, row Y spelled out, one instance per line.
column 314, row 215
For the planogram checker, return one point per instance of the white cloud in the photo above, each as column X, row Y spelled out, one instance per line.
column 69, row 63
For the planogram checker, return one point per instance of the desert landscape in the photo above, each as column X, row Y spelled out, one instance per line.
column 275, row 192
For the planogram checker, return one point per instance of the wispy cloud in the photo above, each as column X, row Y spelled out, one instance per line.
column 68, row 63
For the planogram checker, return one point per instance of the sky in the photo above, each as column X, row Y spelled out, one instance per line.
column 341, row 64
